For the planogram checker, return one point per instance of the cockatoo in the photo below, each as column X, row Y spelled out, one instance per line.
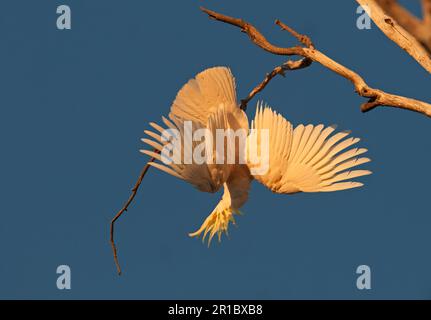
column 301, row 159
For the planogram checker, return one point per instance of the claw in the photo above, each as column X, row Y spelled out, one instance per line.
column 216, row 223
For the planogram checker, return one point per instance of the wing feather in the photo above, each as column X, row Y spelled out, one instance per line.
column 207, row 101
column 306, row 158
column 201, row 96
column 208, row 176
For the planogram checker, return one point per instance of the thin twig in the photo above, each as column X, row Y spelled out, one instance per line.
column 279, row 70
column 126, row 205
column 376, row 97
column 304, row 39
column 255, row 36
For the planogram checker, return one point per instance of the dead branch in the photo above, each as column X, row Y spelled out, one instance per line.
column 376, row 97
column 394, row 31
column 279, row 70
column 124, row 209
column 426, row 12
column 420, row 29
column 406, row 19
column 425, row 37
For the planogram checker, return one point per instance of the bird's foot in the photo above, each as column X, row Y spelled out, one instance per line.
column 216, row 222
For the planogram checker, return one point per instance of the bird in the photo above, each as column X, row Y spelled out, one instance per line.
column 304, row 158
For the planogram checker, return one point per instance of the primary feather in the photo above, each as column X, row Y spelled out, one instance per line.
column 305, row 158
column 201, row 96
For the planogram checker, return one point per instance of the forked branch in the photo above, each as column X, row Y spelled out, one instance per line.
column 279, row 70
column 394, row 31
column 418, row 28
column 124, row 209
column 375, row 97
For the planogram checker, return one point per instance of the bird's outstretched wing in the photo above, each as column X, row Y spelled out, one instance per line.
column 305, row 158
column 196, row 160
column 201, row 96
column 206, row 102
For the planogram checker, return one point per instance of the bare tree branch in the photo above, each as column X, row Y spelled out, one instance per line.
column 124, row 209
column 390, row 27
column 420, row 29
column 255, row 36
column 279, row 70
column 426, row 12
column 406, row 19
column 376, row 97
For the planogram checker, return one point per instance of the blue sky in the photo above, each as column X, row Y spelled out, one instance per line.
column 75, row 104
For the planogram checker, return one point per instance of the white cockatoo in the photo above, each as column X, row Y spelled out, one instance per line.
column 301, row 159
